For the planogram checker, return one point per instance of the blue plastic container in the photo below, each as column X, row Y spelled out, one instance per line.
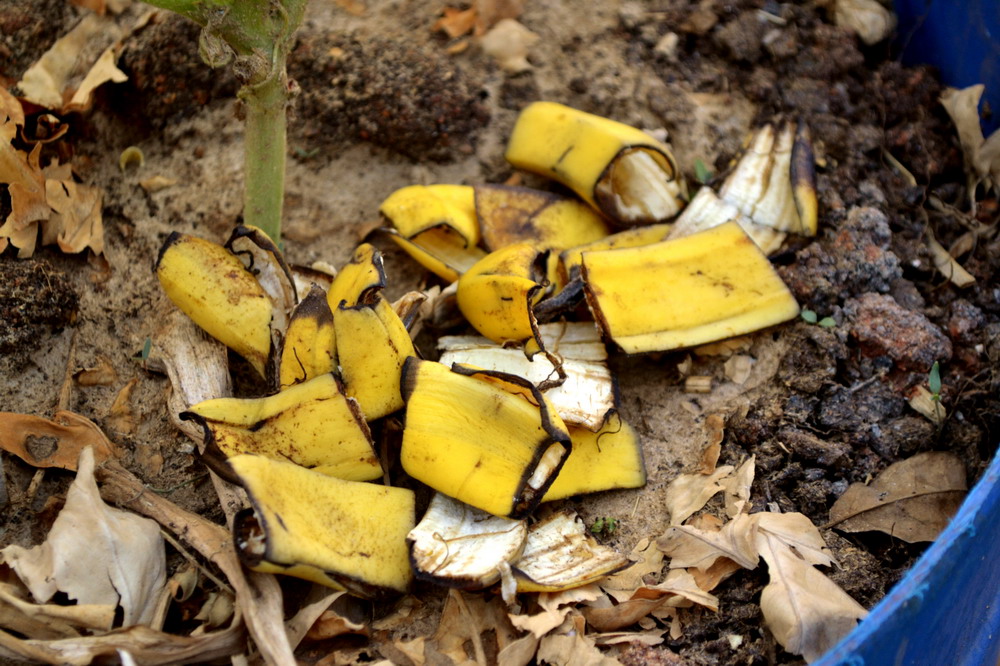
column 959, row 37
column 946, row 609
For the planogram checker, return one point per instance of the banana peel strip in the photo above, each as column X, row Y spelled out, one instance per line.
column 309, row 348
column 560, row 555
column 312, row 424
column 774, row 183
column 213, row 287
column 372, row 345
column 509, row 215
column 460, row 546
column 587, row 393
column 609, row 459
column 488, row 439
column 342, row 534
column 619, row 170
column 711, row 285
column 436, row 225
column 498, row 295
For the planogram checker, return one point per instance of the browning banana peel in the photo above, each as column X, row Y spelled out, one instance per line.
column 212, row 287
column 312, row 424
column 708, row 286
column 619, row 170
column 342, row 534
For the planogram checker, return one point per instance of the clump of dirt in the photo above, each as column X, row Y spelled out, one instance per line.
column 411, row 99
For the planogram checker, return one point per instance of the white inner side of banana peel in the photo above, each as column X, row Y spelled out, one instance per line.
column 640, row 188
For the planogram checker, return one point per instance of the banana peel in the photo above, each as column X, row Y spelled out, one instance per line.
column 707, row 210
column 619, row 170
column 343, row 534
column 498, row 295
column 509, row 215
column 774, row 183
column 560, row 555
column 213, row 287
column 309, row 348
column 586, row 394
column 436, row 225
column 679, row 293
column 372, row 345
column 570, row 259
column 487, row 439
column 312, row 424
column 460, row 546
column 609, row 459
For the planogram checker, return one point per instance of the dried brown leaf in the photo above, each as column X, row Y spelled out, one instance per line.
column 26, row 186
column 912, row 500
column 56, row 443
column 689, row 546
column 806, row 611
column 102, row 374
column 689, row 493
column 76, row 222
column 95, row 554
column 737, row 488
column 715, row 426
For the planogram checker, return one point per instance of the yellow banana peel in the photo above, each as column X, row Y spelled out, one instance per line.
column 560, row 555
column 619, row 170
column 708, row 286
column 608, row 459
column 342, row 534
column 571, row 258
column 212, row 287
column 309, row 348
column 372, row 344
column 460, row 546
column 498, row 294
column 437, row 226
column 359, row 280
column 509, row 215
column 312, row 424
column 470, row 438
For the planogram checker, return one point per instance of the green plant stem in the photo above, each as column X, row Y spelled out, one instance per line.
column 260, row 33
column 264, row 154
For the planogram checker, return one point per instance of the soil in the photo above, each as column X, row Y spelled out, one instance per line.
column 384, row 105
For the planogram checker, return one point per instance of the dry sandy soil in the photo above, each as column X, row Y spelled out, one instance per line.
column 383, row 105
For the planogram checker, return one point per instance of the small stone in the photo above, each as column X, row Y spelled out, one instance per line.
column 883, row 328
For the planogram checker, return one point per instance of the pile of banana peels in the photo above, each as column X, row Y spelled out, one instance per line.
column 523, row 413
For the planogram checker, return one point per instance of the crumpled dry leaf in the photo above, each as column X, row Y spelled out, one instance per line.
column 572, row 647
column 76, row 222
column 867, row 18
column 95, row 554
column 912, row 499
column 806, row 611
column 982, row 157
column 56, row 443
column 555, row 607
column 509, row 42
column 688, row 493
column 50, row 621
column 59, row 80
column 737, row 488
column 689, row 546
column 26, row 186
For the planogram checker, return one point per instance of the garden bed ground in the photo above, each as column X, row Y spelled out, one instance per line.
column 384, row 104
